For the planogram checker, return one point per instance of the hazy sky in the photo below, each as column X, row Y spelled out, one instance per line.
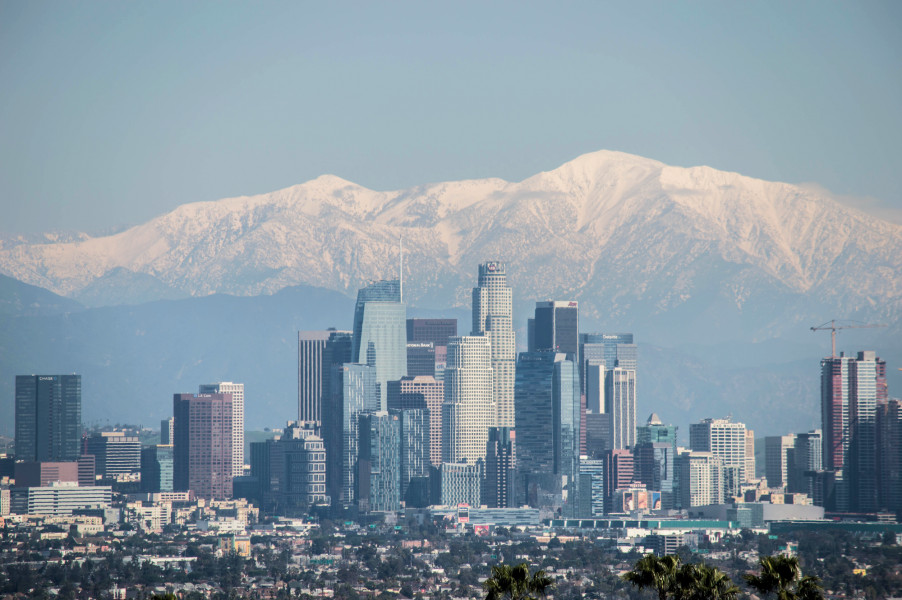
column 114, row 112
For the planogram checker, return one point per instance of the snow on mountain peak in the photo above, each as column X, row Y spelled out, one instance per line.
column 603, row 227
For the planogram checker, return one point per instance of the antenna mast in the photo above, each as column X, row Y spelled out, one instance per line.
column 401, row 266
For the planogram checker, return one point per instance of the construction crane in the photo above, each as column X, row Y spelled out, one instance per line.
column 833, row 327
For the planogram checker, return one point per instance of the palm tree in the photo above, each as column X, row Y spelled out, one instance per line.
column 514, row 582
column 655, row 573
column 703, row 582
column 782, row 576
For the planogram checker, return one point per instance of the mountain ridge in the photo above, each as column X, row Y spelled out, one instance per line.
column 630, row 237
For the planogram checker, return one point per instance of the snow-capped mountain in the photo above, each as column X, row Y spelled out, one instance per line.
column 634, row 240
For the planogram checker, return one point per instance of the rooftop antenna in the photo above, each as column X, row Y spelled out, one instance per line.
column 401, row 266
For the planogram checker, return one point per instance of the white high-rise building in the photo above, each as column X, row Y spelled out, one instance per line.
column 726, row 440
column 468, row 410
column 620, row 403
column 493, row 318
column 700, row 479
column 237, row 391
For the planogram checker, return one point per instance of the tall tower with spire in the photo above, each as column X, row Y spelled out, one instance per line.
column 493, row 318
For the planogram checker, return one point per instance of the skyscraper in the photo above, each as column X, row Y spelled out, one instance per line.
column 167, row 431
column 609, row 349
column 620, row 403
column 380, row 333
column 851, row 389
column 202, row 453
column 557, row 327
column 889, row 454
column 750, row 469
column 591, row 487
column 354, row 391
column 500, row 463
column 311, row 368
column 493, row 318
column 237, row 392
column 619, row 472
column 699, row 478
column 156, row 468
column 654, row 466
column 725, row 440
column 48, row 417
column 420, row 359
column 469, row 409
column 655, row 430
column 437, row 331
column 414, row 446
column 379, row 479
column 776, row 459
column 806, row 457
column 422, row 393
column 547, row 419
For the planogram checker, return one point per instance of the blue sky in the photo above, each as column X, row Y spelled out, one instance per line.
column 114, row 112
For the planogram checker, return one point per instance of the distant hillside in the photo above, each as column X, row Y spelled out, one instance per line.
column 21, row 299
column 671, row 253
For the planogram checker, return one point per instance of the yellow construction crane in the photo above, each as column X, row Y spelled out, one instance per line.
column 833, row 327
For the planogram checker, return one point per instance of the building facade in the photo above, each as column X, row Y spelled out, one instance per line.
column 556, row 327
column 379, row 478
column 48, row 417
column 202, row 453
column 311, row 369
column 380, row 333
column 424, row 393
column 354, row 391
column 620, row 403
column 469, row 408
column 500, row 469
column 115, row 453
column 725, row 440
column 493, row 318
column 237, row 392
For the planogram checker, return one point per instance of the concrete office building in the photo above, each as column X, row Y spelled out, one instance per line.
column 202, row 453
column 726, row 440
column 699, row 476
column 115, row 453
column 493, row 318
column 620, row 403
column 237, row 392
column 311, row 369
column 469, row 408
column 59, row 499
column 41, row 474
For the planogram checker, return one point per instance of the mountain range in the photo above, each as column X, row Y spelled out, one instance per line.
column 716, row 265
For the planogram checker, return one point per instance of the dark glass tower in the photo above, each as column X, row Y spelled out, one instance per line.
column 557, row 327
column 48, row 417
column 547, row 418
